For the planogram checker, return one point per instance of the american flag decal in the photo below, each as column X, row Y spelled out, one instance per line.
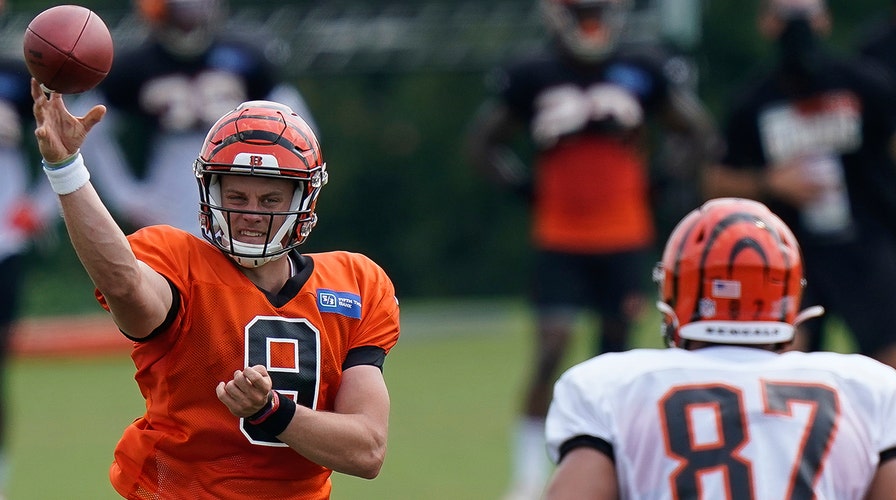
column 726, row 289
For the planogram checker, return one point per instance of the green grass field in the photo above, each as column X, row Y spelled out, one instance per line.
column 454, row 378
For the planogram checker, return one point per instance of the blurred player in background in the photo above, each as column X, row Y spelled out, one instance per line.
column 723, row 413
column 261, row 367
column 29, row 207
column 586, row 104
column 814, row 138
column 878, row 40
column 162, row 96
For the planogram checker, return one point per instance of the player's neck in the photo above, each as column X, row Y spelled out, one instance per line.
column 272, row 275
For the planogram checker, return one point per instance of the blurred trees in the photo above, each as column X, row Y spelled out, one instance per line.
column 399, row 188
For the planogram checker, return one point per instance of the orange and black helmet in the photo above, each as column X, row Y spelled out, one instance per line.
column 260, row 139
column 731, row 273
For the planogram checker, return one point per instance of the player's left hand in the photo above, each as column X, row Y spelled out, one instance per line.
column 247, row 392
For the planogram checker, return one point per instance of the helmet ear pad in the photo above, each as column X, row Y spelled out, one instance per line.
column 731, row 272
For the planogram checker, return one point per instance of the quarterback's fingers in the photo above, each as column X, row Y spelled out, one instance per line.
column 93, row 117
column 256, row 375
column 221, row 391
column 261, row 370
column 241, row 381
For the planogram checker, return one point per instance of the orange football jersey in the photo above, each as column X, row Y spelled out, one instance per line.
column 592, row 195
column 188, row 444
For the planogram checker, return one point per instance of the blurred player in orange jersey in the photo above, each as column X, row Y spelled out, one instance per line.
column 261, row 367
column 586, row 105
column 724, row 413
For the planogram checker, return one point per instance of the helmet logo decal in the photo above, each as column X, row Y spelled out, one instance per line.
column 255, row 160
column 707, row 308
column 726, row 289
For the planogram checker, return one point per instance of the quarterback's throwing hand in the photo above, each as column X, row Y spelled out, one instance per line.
column 59, row 134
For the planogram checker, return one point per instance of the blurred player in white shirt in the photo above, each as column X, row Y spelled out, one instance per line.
column 726, row 412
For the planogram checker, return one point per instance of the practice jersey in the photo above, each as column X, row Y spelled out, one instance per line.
column 160, row 109
column 730, row 422
column 591, row 189
column 843, row 121
column 338, row 311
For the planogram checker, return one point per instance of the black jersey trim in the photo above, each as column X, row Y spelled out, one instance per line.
column 585, row 441
column 365, row 355
column 886, row 455
column 292, row 287
column 169, row 319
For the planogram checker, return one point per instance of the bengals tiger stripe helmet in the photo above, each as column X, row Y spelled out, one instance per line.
column 263, row 139
column 731, row 273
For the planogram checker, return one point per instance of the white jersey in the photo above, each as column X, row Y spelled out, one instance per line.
column 730, row 422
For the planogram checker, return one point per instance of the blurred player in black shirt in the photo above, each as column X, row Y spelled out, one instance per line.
column 587, row 105
column 812, row 138
column 162, row 96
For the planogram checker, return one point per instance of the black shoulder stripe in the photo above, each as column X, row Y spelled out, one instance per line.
column 584, row 440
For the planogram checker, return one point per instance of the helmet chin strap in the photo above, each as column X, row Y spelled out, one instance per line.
column 252, row 262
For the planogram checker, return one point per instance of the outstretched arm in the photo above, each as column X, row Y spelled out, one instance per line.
column 138, row 297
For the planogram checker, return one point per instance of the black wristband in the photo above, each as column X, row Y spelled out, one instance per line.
column 276, row 418
column 261, row 414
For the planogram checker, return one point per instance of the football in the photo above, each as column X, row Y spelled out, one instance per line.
column 68, row 49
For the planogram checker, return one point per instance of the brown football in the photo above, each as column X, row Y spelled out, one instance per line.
column 68, row 49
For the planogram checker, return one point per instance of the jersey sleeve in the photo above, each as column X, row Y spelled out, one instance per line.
column 575, row 411
column 886, row 382
column 167, row 251
column 379, row 324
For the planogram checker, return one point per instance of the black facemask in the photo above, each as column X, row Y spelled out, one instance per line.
column 799, row 51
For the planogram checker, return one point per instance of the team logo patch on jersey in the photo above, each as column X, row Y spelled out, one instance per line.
column 344, row 303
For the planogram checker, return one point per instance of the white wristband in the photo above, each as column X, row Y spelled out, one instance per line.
column 69, row 177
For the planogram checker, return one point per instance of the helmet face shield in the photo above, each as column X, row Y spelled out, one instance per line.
column 731, row 272
column 266, row 140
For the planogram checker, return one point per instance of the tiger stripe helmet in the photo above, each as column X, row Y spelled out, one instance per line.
column 261, row 139
column 731, row 273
